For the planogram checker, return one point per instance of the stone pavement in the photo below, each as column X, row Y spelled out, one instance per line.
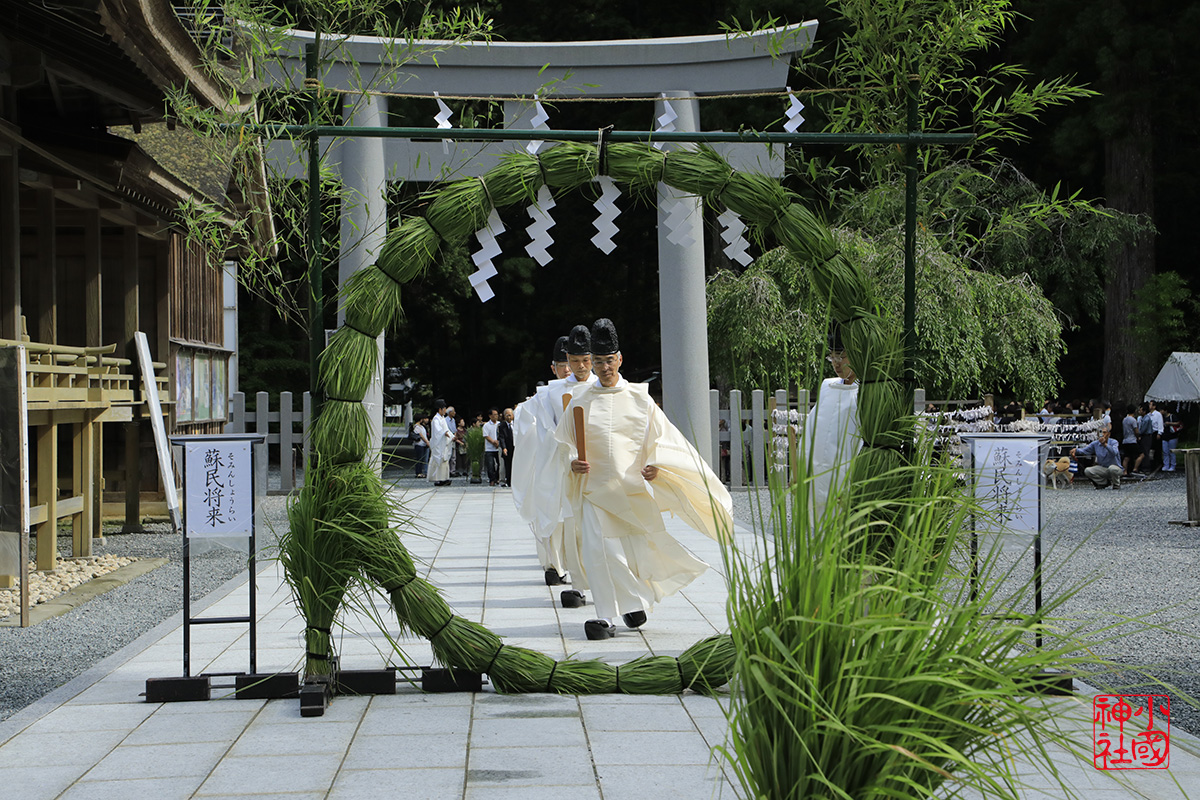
column 97, row 738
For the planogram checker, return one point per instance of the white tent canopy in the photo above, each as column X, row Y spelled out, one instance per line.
column 1178, row 381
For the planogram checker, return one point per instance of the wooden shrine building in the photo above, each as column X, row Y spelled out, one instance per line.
column 92, row 249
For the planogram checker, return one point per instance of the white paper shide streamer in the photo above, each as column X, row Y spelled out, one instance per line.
column 539, row 230
column 794, row 117
column 442, row 118
column 679, row 232
column 488, row 249
column 665, row 122
column 605, row 222
column 732, row 230
column 537, row 123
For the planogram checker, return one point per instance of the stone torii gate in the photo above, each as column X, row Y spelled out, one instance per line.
column 678, row 70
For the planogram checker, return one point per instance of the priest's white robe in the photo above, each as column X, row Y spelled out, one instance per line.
column 628, row 559
column 831, row 439
column 441, row 449
column 538, row 483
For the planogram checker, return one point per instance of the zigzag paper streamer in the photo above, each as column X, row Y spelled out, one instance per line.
column 539, row 212
column 488, row 249
column 794, row 118
column 731, row 233
column 442, row 118
column 605, row 224
column 678, row 231
column 665, row 121
column 537, row 123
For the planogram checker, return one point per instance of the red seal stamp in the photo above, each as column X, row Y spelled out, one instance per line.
column 1131, row 731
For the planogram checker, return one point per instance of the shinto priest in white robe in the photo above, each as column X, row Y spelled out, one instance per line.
column 538, row 484
column 831, row 439
column 629, row 560
column 441, row 449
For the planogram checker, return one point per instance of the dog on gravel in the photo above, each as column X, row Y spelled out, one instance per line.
column 1058, row 470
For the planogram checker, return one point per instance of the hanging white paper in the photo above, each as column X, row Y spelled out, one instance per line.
column 442, row 118
column 794, row 118
column 537, row 123
column 732, row 230
column 539, row 231
column 679, row 232
column 605, row 224
column 489, row 248
column 665, row 122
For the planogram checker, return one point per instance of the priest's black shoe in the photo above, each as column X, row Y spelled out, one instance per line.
column 553, row 578
column 635, row 619
column 599, row 629
column 572, row 598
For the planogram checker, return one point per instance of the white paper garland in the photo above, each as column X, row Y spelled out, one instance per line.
column 732, row 231
column 442, row 118
column 794, row 118
column 489, row 248
column 540, row 238
column 606, row 205
column 537, row 123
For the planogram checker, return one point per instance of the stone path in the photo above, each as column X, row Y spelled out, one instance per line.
column 97, row 738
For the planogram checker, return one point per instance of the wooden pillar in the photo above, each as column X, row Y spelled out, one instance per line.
column 10, row 247
column 133, row 438
column 47, row 277
column 47, row 494
column 93, row 432
column 83, row 523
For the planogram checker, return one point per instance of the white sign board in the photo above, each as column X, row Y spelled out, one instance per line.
column 150, row 392
column 218, row 487
column 1008, row 481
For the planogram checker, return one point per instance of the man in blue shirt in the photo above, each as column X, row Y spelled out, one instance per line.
column 1107, row 469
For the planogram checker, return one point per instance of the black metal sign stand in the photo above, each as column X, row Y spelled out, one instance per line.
column 247, row 685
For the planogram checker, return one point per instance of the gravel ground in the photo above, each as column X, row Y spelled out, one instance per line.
column 1118, row 546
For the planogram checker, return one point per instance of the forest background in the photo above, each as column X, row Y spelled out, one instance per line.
column 1022, row 210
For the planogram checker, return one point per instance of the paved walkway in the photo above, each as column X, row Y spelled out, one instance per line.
column 97, row 738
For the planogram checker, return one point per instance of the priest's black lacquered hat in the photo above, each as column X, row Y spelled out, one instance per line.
column 560, row 349
column 604, row 338
column 835, row 338
column 579, row 343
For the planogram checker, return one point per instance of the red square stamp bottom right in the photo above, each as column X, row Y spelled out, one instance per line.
column 1131, row 731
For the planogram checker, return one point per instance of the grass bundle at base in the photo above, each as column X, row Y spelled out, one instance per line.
column 408, row 250
column 519, row 670
column 652, row 675
column 419, row 606
column 372, row 301
column 859, row 680
column 707, row 665
column 580, row 677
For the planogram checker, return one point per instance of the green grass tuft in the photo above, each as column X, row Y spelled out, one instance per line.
column 409, row 249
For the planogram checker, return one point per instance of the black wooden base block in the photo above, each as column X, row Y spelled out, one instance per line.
column 178, row 690
column 366, row 681
column 441, row 680
column 267, row 687
column 314, row 699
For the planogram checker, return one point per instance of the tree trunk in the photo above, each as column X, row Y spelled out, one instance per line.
column 1129, row 185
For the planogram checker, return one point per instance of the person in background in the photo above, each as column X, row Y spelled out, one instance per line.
column 1172, row 427
column 504, row 433
column 1131, row 452
column 420, row 439
column 491, row 447
column 1107, row 469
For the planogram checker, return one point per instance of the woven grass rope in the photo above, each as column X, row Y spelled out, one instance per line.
column 342, row 520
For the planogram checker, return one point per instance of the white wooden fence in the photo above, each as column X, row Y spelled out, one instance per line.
column 761, row 428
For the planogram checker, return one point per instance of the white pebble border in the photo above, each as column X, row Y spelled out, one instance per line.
column 67, row 574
